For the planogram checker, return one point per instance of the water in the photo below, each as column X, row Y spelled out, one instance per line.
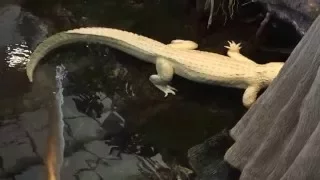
column 116, row 124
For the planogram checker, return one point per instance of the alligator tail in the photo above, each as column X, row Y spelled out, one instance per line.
column 50, row 44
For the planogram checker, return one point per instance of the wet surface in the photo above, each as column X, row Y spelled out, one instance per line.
column 116, row 124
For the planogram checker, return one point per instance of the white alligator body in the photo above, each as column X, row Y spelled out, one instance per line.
column 179, row 57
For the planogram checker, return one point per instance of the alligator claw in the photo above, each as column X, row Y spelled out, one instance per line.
column 167, row 89
column 233, row 46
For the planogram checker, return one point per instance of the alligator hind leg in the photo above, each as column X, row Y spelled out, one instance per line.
column 250, row 95
column 234, row 52
column 183, row 44
column 163, row 77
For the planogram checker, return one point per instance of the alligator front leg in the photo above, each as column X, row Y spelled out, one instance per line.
column 163, row 77
column 234, row 52
column 250, row 95
column 183, row 44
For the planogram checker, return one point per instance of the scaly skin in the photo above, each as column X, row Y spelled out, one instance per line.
column 179, row 57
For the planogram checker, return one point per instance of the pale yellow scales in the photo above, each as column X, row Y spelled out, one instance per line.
column 180, row 58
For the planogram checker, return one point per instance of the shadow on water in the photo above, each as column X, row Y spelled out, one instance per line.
column 116, row 124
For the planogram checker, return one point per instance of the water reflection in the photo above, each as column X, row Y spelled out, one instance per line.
column 17, row 55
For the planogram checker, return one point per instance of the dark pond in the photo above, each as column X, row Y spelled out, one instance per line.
column 116, row 124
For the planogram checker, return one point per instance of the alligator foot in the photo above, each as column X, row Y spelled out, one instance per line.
column 234, row 52
column 183, row 44
column 250, row 95
column 167, row 89
column 233, row 47
column 161, row 80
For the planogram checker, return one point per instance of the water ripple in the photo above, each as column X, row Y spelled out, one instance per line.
column 17, row 55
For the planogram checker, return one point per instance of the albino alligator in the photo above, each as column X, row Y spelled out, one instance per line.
column 179, row 57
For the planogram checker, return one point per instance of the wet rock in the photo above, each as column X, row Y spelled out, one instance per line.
column 98, row 148
column 79, row 162
column 80, row 126
column 15, row 145
column 69, row 109
column 36, row 125
column 207, row 159
column 114, row 123
column 85, row 175
column 10, row 15
column 34, row 172
column 296, row 12
column 118, row 170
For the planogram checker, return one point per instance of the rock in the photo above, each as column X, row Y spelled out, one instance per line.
column 118, row 170
column 80, row 126
column 10, row 15
column 98, row 148
column 34, row 172
column 77, row 163
column 36, row 125
column 206, row 159
column 15, row 145
column 85, row 175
